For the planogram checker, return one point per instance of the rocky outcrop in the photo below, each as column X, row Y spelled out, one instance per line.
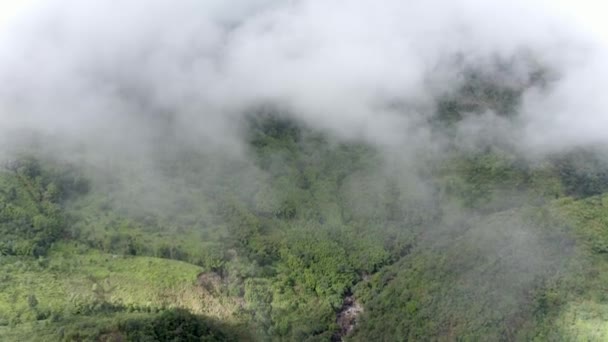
column 347, row 317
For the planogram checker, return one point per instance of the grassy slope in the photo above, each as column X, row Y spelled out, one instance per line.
column 73, row 280
column 583, row 295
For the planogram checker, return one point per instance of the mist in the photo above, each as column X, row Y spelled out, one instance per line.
column 161, row 103
column 105, row 75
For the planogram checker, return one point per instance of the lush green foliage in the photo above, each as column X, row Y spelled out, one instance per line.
column 31, row 218
column 487, row 247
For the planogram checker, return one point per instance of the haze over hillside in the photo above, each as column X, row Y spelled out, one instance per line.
column 303, row 170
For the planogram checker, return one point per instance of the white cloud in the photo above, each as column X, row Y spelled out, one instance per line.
column 106, row 72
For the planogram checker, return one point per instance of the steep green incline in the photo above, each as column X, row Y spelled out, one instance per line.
column 487, row 282
column 468, row 245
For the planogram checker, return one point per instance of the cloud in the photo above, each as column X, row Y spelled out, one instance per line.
column 113, row 74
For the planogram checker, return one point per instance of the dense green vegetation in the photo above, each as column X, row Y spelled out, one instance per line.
column 30, row 219
column 484, row 246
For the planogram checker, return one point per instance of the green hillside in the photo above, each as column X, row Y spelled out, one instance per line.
column 490, row 248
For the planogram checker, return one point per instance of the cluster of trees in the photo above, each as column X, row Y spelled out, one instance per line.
column 111, row 325
column 583, row 173
column 31, row 216
column 174, row 325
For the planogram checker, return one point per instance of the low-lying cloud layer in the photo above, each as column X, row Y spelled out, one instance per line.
column 108, row 74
